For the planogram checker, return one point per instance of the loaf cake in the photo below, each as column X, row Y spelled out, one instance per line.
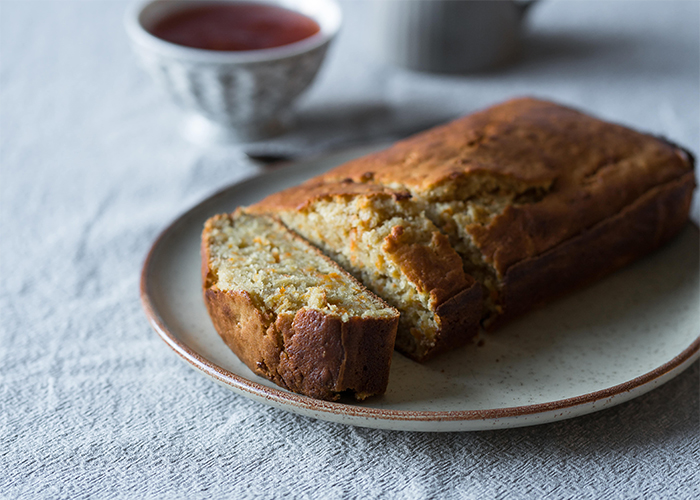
column 397, row 252
column 291, row 314
column 486, row 217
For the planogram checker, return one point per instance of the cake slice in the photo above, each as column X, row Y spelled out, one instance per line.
column 290, row 313
column 380, row 236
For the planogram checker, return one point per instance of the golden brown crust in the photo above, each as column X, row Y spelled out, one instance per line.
column 435, row 268
column 310, row 352
column 458, row 320
column 591, row 170
column 529, row 140
column 325, row 356
column 254, row 337
column 640, row 228
column 455, row 296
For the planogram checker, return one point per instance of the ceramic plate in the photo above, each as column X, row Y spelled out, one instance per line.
column 596, row 348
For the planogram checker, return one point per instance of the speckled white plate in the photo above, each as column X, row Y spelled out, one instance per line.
column 593, row 349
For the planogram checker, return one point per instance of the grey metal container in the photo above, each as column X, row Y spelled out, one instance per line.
column 453, row 36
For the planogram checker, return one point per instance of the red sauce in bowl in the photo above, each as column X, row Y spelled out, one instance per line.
column 234, row 26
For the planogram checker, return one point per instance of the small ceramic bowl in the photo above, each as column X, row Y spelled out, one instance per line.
column 234, row 96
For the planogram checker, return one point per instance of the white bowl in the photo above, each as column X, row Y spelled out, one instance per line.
column 232, row 96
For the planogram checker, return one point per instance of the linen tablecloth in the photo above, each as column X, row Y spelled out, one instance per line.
column 94, row 405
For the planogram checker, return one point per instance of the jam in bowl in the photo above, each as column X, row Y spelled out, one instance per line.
column 232, row 26
column 234, row 67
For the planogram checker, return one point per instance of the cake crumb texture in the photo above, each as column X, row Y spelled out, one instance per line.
column 290, row 313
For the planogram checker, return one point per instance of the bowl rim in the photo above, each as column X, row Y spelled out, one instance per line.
column 142, row 38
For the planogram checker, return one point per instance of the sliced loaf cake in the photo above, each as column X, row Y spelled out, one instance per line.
column 537, row 199
column 292, row 314
column 389, row 244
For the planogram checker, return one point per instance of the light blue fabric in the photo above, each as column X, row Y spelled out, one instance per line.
column 94, row 405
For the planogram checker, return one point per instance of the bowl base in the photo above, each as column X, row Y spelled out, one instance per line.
column 204, row 132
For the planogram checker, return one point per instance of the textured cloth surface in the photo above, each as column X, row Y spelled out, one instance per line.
column 94, row 405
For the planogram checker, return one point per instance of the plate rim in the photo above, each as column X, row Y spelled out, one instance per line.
column 284, row 398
